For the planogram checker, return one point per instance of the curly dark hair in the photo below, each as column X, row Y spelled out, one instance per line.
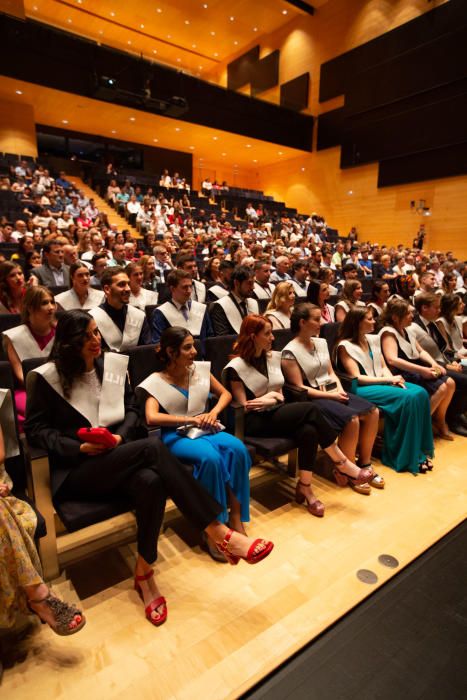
column 70, row 336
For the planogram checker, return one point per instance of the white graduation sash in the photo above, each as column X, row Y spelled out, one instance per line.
column 7, row 420
column 172, row 400
column 176, row 317
column 283, row 319
column 300, row 291
column 218, row 291
column 233, row 313
column 373, row 366
column 69, row 300
column 373, row 305
column 112, row 399
column 145, row 298
column 261, row 292
column 115, row 339
column 313, row 364
column 256, row 382
column 409, row 346
column 454, row 333
column 25, row 344
column 198, row 293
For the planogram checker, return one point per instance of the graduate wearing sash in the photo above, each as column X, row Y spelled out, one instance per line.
column 404, row 354
column 121, row 326
column 178, row 397
column 81, row 295
column 255, row 378
column 227, row 313
column 32, row 339
column 306, row 364
column 77, row 389
column 280, row 307
column 408, row 437
column 181, row 310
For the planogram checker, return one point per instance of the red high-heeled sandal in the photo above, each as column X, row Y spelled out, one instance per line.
column 251, row 557
column 154, row 604
column 315, row 507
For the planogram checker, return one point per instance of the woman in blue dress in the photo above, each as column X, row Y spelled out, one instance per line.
column 408, row 436
column 175, row 400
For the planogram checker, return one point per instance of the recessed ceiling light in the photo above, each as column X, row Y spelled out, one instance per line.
column 212, row 33
column 232, row 19
column 34, row 7
column 280, row 153
column 187, row 21
column 255, row 160
column 350, row 192
column 215, row 138
column 132, row 119
column 192, row 148
column 193, row 46
column 216, row 55
column 80, row 2
column 113, row 131
column 155, row 140
column 284, row 12
column 154, row 51
column 200, row 67
column 255, row 29
column 303, row 169
column 100, row 32
column 177, row 128
column 70, row 21
column 129, row 42
column 65, row 121
column 112, row 14
column 19, row 92
column 169, row 36
column 248, row 145
column 235, row 43
column 223, row 154
column 205, row 6
column 141, row 26
column 159, row 10
column 179, row 60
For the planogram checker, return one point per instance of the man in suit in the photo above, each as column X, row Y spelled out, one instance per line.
column 221, row 288
column 53, row 272
column 262, row 288
column 227, row 313
column 427, row 306
column 181, row 309
column 299, row 275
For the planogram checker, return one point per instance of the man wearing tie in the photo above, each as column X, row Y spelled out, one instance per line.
column 427, row 306
column 181, row 309
column 228, row 313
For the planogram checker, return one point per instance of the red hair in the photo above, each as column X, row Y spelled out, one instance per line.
column 244, row 346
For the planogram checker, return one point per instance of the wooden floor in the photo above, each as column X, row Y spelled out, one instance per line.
column 229, row 626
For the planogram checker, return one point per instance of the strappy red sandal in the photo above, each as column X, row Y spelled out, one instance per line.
column 154, row 604
column 252, row 557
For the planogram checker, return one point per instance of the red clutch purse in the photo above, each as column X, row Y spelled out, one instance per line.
column 99, row 436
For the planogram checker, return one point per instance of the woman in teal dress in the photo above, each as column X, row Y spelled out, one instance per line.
column 176, row 398
column 408, row 435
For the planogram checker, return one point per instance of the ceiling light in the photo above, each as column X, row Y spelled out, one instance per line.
column 177, row 128
column 34, row 7
column 129, row 43
column 255, row 29
column 159, row 10
column 200, row 67
column 232, row 19
column 69, row 21
column 205, row 6
column 187, row 21
column 192, row 148
column 132, row 119
column 223, row 154
column 255, row 160
column 235, row 43
column 19, row 92
column 193, row 46
column 141, row 26
column 169, row 36
column 155, row 140
column 65, row 121
column 216, row 55
column 215, row 138
column 154, row 51
column 212, row 33
column 179, row 60
column 80, row 2
column 284, row 12
column 280, row 153
column 248, row 145
column 350, row 192
column 113, row 131
column 100, row 31
column 112, row 14
column 303, row 169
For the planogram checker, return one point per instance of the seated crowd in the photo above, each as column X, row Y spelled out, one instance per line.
column 373, row 332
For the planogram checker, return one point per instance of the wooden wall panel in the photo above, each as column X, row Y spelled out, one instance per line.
column 380, row 215
column 17, row 129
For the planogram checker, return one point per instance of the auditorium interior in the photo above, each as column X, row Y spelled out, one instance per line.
column 357, row 110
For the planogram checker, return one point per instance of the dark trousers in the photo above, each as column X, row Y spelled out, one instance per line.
column 302, row 422
column 458, row 403
column 145, row 472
